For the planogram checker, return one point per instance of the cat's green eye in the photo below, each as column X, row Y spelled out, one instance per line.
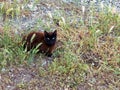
column 53, row 38
column 48, row 38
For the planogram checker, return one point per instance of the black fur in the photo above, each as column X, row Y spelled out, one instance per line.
column 50, row 38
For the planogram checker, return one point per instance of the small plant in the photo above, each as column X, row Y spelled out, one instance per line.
column 9, row 9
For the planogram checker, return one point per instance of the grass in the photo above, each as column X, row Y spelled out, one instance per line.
column 87, row 55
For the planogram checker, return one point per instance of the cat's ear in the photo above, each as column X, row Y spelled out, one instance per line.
column 55, row 32
column 45, row 32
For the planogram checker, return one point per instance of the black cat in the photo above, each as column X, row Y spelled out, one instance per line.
column 45, row 40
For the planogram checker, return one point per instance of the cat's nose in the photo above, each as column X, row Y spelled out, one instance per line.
column 51, row 43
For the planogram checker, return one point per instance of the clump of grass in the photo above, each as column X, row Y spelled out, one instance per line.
column 8, row 50
column 9, row 9
column 109, row 23
column 15, row 9
column 11, row 50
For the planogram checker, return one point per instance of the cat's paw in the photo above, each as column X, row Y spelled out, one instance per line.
column 49, row 54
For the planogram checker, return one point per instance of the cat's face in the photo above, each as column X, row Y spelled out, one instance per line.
column 50, row 37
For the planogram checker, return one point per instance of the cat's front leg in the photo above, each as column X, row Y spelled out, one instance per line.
column 49, row 54
column 50, row 51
